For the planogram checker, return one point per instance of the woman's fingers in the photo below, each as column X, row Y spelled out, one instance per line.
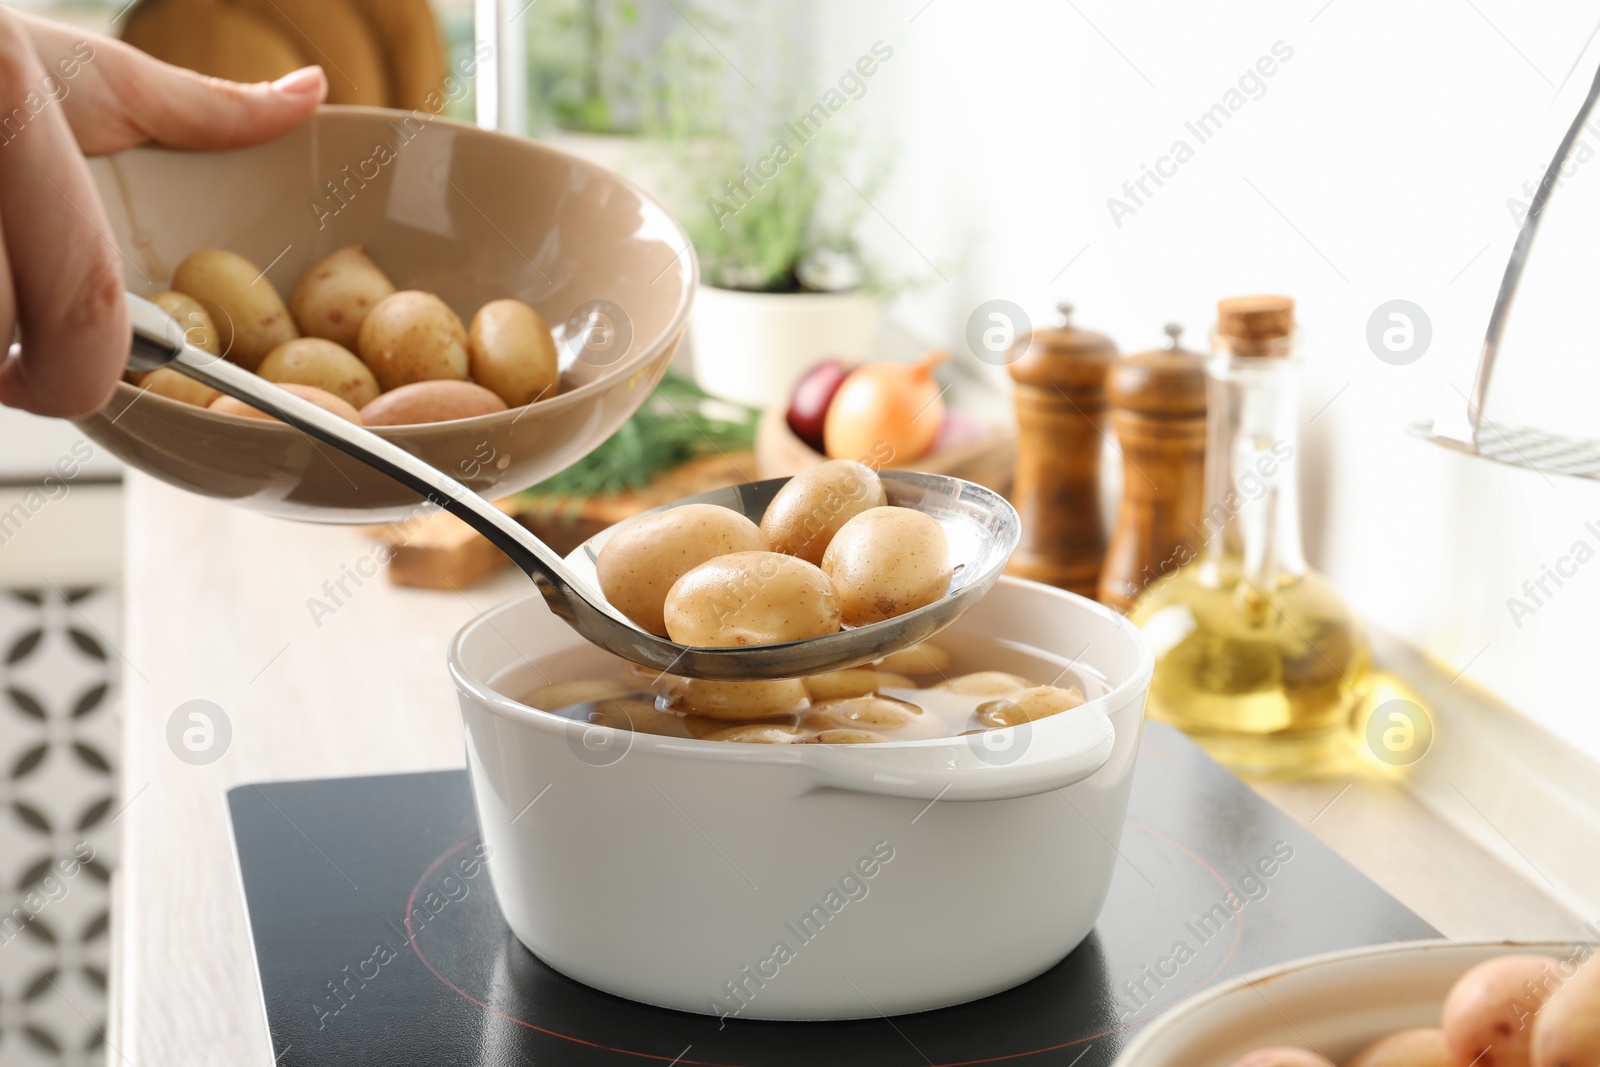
column 68, row 287
column 117, row 96
column 182, row 109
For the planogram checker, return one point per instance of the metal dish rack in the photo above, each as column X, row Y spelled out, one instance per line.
column 1461, row 424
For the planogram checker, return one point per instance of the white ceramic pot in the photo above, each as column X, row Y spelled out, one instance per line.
column 803, row 881
column 753, row 347
column 1335, row 1004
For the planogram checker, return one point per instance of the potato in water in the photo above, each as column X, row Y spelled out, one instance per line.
column 808, row 511
column 844, row 737
column 640, row 563
column 986, row 684
column 738, row 701
column 511, row 352
column 759, row 734
column 413, row 337
column 854, row 706
column 1027, row 705
column 640, row 716
column 751, row 598
column 887, row 561
column 333, row 298
column 246, row 310
column 871, row 712
column 854, row 682
column 323, row 364
column 560, row 695
column 926, row 658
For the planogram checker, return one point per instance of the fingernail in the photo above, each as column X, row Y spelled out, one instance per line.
column 300, row 83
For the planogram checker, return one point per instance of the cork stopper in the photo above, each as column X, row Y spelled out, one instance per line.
column 1163, row 382
column 1256, row 325
column 1065, row 356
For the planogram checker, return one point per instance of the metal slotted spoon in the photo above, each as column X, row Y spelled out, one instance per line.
column 982, row 527
column 1461, row 424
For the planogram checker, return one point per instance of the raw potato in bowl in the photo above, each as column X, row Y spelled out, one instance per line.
column 1568, row 1030
column 1421, row 1047
column 1483, row 1017
column 413, row 337
column 227, row 405
column 270, row 204
column 511, row 352
column 198, row 330
column 1514, row 1009
column 400, row 358
column 333, row 298
column 247, row 311
column 324, row 364
column 422, row 402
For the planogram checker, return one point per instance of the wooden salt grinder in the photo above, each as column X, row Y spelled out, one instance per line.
column 1060, row 373
column 1158, row 408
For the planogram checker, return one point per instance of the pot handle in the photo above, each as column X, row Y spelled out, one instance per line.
column 1018, row 761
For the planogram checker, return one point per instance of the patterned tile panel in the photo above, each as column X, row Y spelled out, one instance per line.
column 58, row 789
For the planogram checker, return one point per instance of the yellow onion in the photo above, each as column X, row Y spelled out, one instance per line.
column 886, row 413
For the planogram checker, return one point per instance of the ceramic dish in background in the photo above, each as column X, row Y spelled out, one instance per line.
column 1335, row 1004
column 667, row 870
column 469, row 214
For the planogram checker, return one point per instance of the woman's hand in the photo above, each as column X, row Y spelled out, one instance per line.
column 65, row 95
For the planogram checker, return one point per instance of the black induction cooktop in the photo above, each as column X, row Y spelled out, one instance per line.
column 379, row 942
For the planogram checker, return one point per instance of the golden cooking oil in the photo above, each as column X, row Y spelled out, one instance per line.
column 1267, row 680
column 1257, row 656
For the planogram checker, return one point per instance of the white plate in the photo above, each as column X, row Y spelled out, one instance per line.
column 1335, row 1004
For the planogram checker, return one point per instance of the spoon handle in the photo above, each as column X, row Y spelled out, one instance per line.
column 158, row 341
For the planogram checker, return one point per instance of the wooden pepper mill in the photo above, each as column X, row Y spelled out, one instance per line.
column 1060, row 373
column 1158, row 408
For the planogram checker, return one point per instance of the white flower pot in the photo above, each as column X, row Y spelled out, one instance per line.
column 752, row 347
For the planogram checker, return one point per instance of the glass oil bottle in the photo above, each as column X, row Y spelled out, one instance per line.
column 1257, row 657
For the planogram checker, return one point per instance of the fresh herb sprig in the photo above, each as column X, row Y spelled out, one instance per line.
column 680, row 422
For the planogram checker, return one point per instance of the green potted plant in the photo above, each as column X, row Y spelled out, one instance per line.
column 784, row 282
column 613, row 80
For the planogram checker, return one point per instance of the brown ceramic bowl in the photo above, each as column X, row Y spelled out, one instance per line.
column 469, row 214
